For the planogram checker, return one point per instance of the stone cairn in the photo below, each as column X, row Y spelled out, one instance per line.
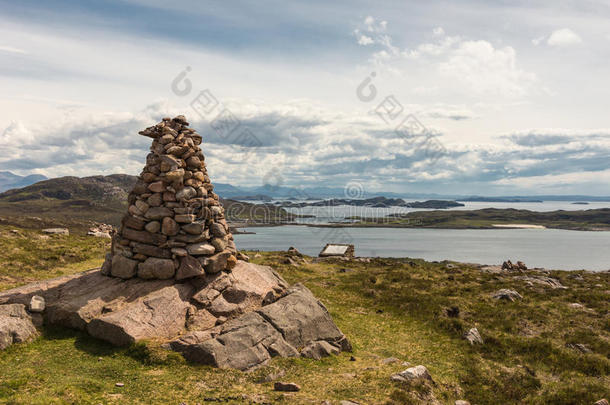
column 175, row 225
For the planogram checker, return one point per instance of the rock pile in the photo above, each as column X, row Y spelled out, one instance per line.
column 101, row 230
column 510, row 266
column 177, row 279
column 175, row 226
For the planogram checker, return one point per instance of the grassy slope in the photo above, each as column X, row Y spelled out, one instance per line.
column 389, row 307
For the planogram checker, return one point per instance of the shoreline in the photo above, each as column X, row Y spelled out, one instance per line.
column 418, row 226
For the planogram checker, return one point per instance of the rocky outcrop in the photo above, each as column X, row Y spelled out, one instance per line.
column 238, row 319
column 175, row 225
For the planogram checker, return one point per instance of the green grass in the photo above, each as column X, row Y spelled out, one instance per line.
column 387, row 308
column 27, row 255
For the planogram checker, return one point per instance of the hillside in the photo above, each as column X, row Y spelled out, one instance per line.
column 75, row 202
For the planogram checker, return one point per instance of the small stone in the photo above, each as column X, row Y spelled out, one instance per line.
column 461, row 402
column 473, row 336
column 352, row 358
column 186, row 193
column 218, row 230
column 189, row 267
column 286, row 387
column 155, row 200
column 507, row 294
column 194, row 228
column 123, row 267
column 175, row 175
column 156, row 187
column 219, row 244
column 156, row 268
column 57, row 231
column 158, row 213
column 169, row 227
column 242, row 256
column 319, row 349
column 153, row 227
column 37, row 304
column 134, row 223
column 149, row 177
column 119, row 384
column 142, row 206
column 184, row 218
column 231, row 262
column 150, row 250
column 179, row 252
column 390, row 360
column 193, row 162
column 217, row 263
column 417, row 372
column 201, row 248
column 168, row 196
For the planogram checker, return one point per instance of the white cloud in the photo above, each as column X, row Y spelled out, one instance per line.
column 472, row 67
column 10, row 49
column 563, row 37
column 364, row 40
column 487, row 69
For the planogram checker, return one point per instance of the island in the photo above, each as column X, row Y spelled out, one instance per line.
column 376, row 202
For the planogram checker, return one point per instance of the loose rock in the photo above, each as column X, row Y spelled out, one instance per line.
column 473, row 336
column 286, row 387
column 506, row 294
column 37, row 304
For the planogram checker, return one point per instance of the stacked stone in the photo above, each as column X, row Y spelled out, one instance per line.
column 175, row 225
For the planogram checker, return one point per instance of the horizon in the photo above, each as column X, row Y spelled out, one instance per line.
column 477, row 98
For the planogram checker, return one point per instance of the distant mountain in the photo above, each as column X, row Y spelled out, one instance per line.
column 10, row 180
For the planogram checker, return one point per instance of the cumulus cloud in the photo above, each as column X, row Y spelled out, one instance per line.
column 470, row 66
column 563, row 37
column 559, row 38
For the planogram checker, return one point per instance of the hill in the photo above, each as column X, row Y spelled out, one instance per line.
column 10, row 180
column 76, row 202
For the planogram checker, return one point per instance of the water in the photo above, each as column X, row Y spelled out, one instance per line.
column 548, row 248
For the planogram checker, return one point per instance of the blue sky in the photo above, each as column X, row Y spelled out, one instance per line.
column 511, row 97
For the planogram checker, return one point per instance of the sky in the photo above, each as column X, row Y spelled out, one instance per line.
column 469, row 97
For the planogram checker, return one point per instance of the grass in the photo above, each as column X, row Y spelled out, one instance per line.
column 28, row 255
column 387, row 308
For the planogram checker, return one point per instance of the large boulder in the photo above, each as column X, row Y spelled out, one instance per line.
column 295, row 323
column 16, row 325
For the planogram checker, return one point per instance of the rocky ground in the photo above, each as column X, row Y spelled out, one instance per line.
column 483, row 335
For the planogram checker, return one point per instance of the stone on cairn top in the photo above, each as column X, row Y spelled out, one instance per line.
column 175, row 225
